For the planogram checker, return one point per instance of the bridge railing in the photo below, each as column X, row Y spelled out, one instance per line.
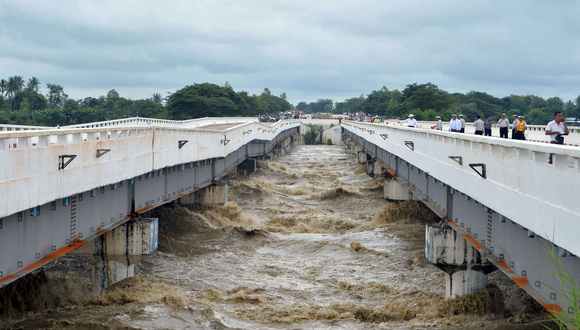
column 531, row 183
column 16, row 128
column 535, row 133
column 150, row 122
column 37, row 167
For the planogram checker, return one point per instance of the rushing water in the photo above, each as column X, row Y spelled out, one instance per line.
column 307, row 242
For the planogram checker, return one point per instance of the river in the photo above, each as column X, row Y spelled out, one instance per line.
column 306, row 242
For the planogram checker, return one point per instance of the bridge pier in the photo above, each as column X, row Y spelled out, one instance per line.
column 213, row 195
column 112, row 256
column 248, row 166
column 394, row 190
column 466, row 269
column 361, row 156
column 376, row 167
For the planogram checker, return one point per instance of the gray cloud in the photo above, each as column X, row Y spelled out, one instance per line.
column 307, row 49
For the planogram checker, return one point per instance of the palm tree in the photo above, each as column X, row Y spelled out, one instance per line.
column 15, row 85
column 33, row 84
column 3, row 87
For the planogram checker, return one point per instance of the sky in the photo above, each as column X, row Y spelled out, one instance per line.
column 307, row 49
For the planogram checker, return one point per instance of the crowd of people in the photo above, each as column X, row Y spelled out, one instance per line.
column 556, row 128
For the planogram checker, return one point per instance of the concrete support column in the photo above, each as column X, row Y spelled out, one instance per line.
column 118, row 251
column 463, row 282
column 248, row 166
column 466, row 270
column 187, row 200
column 117, row 248
column 214, row 195
column 370, row 167
column 379, row 168
column 394, row 190
column 362, row 157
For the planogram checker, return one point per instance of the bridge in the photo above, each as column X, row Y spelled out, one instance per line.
column 504, row 204
column 63, row 187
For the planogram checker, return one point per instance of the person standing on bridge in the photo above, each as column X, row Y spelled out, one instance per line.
column 556, row 129
column 462, row 120
column 411, row 121
column 516, row 118
column 479, row 126
column 520, row 128
column 438, row 125
column 503, row 123
column 455, row 124
column 487, row 127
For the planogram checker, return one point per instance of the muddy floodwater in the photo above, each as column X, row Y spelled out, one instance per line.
column 306, row 242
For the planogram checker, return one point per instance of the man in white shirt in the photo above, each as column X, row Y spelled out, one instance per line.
column 455, row 124
column 503, row 123
column 556, row 129
column 478, row 124
column 411, row 121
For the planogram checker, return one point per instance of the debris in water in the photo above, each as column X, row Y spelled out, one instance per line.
column 365, row 289
column 406, row 212
column 336, row 193
column 142, row 290
column 487, row 301
column 289, row 314
column 359, row 248
column 309, row 223
column 240, row 295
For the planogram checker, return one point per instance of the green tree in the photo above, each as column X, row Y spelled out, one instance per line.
column 32, row 85
column 538, row 116
column 377, row 102
column 268, row 103
column 554, row 104
column 156, row 98
column 577, row 113
column 202, row 100
column 14, row 88
column 3, row 87
column 350, row 105
column 425, row 96
column 113, row 95
column 56, row 96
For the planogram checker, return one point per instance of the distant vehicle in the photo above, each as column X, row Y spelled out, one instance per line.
column 267, row 118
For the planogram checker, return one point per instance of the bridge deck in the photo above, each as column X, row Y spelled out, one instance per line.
column 220, row 127
column 61, row 186
column 513, row 201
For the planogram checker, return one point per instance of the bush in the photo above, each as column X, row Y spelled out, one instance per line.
column 312, row 135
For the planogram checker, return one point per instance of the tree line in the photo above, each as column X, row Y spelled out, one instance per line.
column 426, row 101
column 22, row 102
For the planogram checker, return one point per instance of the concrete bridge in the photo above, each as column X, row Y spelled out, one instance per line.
column 504, row 204
column 63, row 187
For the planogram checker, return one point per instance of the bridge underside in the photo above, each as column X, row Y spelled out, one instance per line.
column 40, row 235
column 529, row 260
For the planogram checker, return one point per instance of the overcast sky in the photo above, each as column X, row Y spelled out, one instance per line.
column 308, row 49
